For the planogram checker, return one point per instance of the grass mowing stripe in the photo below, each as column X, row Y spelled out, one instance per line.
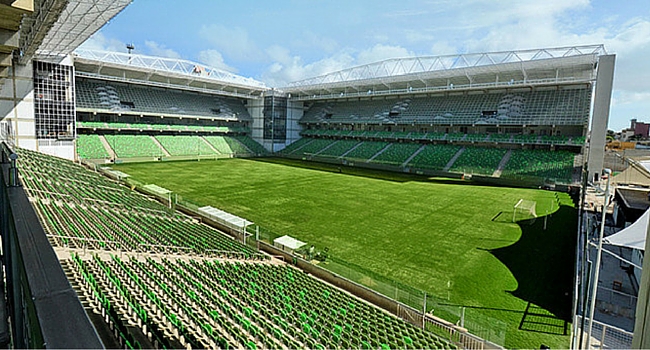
column 419, row 231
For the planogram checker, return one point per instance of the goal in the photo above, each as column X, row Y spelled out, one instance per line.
column 524, row 209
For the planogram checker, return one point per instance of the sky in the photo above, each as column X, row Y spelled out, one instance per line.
column 281, row 41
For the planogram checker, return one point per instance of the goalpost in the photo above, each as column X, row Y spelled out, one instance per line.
column 524, row 209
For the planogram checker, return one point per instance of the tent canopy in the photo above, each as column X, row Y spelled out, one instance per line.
column 288, row 242
column 633, row 236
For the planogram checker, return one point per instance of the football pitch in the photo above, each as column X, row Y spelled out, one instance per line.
column 451, row 238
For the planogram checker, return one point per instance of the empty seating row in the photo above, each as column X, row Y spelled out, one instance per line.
column 297, row 145
column 251, row 144
column 228, row 145
column 434, row 157
column 142, row 126
column 472, row 160
column 397, row 153
column 131, row 146
column 90, row 147
column 549, row 107
column 478, row 160
column 210, row 303
column 452, row 137
column 185, row 145
column 146, row 146
column 536, row 163
column 79, row 208
column 101, row 95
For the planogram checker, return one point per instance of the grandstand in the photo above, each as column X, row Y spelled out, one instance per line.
column 143, row 147
column 215, row 292
column 551, row 107
column 544, row 107
column 534, row 165
column 97, row 96
column 488, row 126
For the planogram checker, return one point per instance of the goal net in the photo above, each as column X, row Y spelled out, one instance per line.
column 523, row 210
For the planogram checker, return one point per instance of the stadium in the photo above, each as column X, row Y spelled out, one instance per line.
column 424, row 202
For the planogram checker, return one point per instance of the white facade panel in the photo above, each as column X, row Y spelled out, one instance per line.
column 26, row 128
column 29, row 144
column 61, row 149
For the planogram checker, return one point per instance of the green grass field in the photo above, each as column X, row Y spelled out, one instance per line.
column 437, row 235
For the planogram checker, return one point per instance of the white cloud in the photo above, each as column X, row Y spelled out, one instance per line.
column 100, row 42
column 382, row 52
column 214, row 59
column 441, row 48
column 310, row 40
column 418, row 36
column 233, row 42
column 625, row 98
column 154, row 49
column 287, row 68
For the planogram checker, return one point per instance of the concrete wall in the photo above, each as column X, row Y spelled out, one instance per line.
column 17, row 106
column 600, row 115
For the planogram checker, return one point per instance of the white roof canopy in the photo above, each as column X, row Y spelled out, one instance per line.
column 508, row 69
column 68, row 24
column 225, row 218
column 289, row 242
column 633, row 236
column 172, row 66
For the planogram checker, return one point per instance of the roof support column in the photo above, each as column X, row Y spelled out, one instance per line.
column 600, row 115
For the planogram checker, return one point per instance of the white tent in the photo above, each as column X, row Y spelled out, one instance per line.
column 633, row 236
column 288, row 243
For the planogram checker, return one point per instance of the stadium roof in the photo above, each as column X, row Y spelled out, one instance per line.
column 564, row 65
column 164, row 72
column 58, row 27
column 12, row 13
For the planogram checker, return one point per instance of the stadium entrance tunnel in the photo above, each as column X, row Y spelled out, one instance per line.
column 542, row 263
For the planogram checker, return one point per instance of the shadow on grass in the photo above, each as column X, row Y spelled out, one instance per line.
column 539, row 320
column 542, row 263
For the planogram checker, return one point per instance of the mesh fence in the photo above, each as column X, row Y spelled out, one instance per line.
column 603, row 336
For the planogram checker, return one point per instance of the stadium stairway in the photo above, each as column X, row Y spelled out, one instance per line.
column 502, row 164
column 453, row 159
column 209, row 145
column 107, row 146
column 378, row 153
column 165, row 152
column 412, row 156
column 303, row 146
column 351, row 150
column 327, row 147
column 244, row 145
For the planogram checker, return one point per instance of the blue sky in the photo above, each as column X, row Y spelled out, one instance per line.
column 286, row 40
